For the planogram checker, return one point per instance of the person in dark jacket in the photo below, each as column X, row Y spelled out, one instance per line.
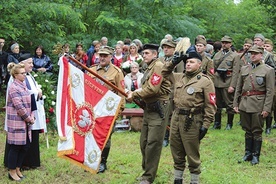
column 42, row 62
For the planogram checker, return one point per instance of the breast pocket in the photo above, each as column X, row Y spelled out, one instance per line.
column 260, row 80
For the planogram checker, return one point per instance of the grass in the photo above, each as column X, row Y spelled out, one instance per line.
column 220, row 151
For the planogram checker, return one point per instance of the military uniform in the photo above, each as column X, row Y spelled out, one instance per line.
column 195, row 106
column 114, row 75
column 227, row 66
column 207, row 66
column 164, row 60
column 253, row 95
column 155, row 93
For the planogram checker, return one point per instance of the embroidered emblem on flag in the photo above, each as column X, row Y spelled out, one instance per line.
column 87, row 113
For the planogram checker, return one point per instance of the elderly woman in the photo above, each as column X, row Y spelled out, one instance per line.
column 42, row 62
column 133, row 80
column 19, row 120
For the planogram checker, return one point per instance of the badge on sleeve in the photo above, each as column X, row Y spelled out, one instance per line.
column 122, row 83
column 212, row 98
column 212, row 70
column 155, row 79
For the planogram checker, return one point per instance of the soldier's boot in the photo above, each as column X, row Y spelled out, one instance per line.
column 104, row 156
column 274, row 126
column 268, row 122
column 178, row 181
column 230, row 118
column 248, row 149
column 257, row 144
column 166, row 138
column 217, row 124
column 194, row 179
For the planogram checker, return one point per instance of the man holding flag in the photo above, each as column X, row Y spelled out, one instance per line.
column 114, row 75
column 87, row 110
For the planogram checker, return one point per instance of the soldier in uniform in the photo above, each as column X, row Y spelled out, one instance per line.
column 207, row 64
column 227, row 66
column 155, row 94
column 253, row 100
column 268, row 46
column 245, row 55
column 168, row 47
column 195, row 107
column 115, row 76
column 259, row 40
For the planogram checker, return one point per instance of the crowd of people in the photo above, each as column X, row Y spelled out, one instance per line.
column 182, row 85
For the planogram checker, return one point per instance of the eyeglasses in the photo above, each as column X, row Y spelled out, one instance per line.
column 2, row 42
column 133, row 67
column 23, row 73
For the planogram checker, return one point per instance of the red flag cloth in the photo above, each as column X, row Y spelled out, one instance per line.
column 86, row 112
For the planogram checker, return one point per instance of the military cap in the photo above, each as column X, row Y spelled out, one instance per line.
column 259, row 35
column 169, row 43
column 226, row 39
column 202, row 41
column 256, row 48
column 106, row 50
column 268, row 41
column 151, row 46
column 194, row 54
column 248, row 40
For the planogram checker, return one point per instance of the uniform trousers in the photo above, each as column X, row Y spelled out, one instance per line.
column 185, row 143
column 225, row 99
column 252, row 124
column 151, row 140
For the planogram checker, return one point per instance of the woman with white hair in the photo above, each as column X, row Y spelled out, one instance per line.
column 133, row 79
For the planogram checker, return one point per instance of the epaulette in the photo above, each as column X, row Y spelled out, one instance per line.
column 204, row 75
column 117, row 68
column 268, row 66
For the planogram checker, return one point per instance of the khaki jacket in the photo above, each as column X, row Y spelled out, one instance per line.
column 154, row 86
column 195, row 93
column 230, row 61
column 207, row 66
column 262, row 78
column 114, row 75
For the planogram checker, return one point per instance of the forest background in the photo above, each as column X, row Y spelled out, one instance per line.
column 47, row 22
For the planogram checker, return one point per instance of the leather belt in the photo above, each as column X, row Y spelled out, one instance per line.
column 251, row 93
column 188, row 112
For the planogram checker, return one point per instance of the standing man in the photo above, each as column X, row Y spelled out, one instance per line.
column 168, row 47
column 207, row 64
column 155, row 93
column 115, row 76
column 268, row 59
column 259, row 40
column 227, row 66
column 195, row 107
column 245, row 55
column 3, row 62
column 255, row 89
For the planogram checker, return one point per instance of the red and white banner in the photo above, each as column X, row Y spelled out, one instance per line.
column 85, row 113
